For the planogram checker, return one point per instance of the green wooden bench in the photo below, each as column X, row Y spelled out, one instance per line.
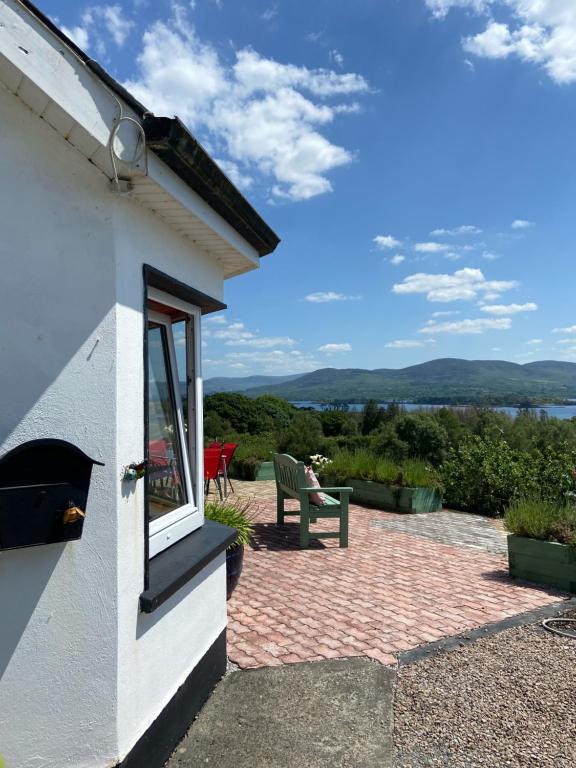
column 291, row 483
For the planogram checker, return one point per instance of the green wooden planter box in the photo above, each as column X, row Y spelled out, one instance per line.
column 371, row 494
column 544, row 562
column 266, row 471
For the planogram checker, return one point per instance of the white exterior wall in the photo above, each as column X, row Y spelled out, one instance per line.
column 58, row 633
column 156, row 652
column 82, row 672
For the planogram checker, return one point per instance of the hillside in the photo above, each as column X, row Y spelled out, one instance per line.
column 242, row 383
column 447, row 380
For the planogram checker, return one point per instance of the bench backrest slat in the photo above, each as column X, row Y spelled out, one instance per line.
column 289, row 473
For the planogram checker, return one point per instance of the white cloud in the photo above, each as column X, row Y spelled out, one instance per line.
column 260, row 114
column 233, row 332
column 336, row 58
column 447, row 313
column 521, row 224
column 465, row 229
column 569, row 329
column 324, row 297
column 335, row 348
column 535, row 342
column 509, row 309
column 542, row 32
column 386, row 242
column 273, row 361
column 469, row 327
column 453, row 256
column 215, row 320
column 270, row 13
column 490, row 256
column 404, row 344
column 263, row 342
column 431, row 247
column 464, row 284
column 78, row 35
column 232, row 170
column 398, row 259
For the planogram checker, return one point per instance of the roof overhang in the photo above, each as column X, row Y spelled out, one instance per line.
column 178, row 180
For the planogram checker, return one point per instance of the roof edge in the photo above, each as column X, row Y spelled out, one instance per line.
column 169, row 139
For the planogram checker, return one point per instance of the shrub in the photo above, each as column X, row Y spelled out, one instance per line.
column 338, row 423
column 303, row 438
column 372, row 417
column 484, row 476
column 385, row 442
column 236, row 514
column 246, row 469
column 539, row 518
column 425, row 437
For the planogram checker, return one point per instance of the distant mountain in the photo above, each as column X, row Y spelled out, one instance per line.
column 448, row 380
column 242, row 383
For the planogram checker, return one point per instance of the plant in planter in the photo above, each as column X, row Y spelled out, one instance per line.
column 542, row 541
column 409, row 486
column 235, row 514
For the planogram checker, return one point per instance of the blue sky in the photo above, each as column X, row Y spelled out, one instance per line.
column 417, row 158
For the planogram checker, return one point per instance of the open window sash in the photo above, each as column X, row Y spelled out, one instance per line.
column 174, row 510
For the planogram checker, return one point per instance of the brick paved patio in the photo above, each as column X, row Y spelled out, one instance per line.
column 405, row 580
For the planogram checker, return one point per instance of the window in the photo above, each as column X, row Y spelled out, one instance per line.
column 174, row 506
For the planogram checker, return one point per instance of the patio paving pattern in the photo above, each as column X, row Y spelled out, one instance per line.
column 404, row 581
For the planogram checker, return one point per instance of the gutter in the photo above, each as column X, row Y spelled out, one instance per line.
column 173, row 143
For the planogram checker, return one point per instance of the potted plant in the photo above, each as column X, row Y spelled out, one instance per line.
column 412, row 486
column 236, row 515
column 542, row 542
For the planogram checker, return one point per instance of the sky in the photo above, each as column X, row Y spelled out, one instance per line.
column 416, row 158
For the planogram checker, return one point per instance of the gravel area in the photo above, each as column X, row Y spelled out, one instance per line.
column 505, row 700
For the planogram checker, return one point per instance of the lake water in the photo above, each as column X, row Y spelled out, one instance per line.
column 557, row 411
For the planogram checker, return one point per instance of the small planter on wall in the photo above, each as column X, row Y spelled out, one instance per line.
column 543, row 562
column 395, row 498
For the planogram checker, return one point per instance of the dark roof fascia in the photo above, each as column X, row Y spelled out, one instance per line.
column 176, row 146
column 156, row 279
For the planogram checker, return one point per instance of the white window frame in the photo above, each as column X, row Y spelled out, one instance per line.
column 174, row 525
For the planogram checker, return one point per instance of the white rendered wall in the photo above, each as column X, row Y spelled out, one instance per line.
column 82, row 672
column 156, row 651
column 58, row 631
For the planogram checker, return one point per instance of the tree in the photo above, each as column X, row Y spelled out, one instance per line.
column 372, row 417
column 426, row 439
column 303, row 438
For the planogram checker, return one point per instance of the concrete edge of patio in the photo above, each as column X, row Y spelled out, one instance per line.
column 337, row 713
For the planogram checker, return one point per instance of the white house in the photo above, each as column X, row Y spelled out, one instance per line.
column 117, row 233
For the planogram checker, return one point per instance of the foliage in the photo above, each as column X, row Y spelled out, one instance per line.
column 303, row 437
column 215, row 426
column 486, row 475
column 252, row 450
column 246, row 468
column 336, row 423
column 424, row 436
column 235, row 514
column 246, row 415
column 365, row 465
column 372, row 417
column 539, row 518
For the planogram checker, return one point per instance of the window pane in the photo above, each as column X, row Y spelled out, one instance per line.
column 179, row 331
column 165, row 476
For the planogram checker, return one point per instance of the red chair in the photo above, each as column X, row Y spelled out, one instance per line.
column 212, row 468
column 228, row 450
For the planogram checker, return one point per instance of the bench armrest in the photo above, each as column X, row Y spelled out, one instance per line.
column 326, row 490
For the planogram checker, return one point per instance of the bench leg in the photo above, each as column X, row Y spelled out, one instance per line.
column 304, row 526
column 279, row 507
column 344, row 524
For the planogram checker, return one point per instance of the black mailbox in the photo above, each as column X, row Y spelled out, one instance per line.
column 44, row 488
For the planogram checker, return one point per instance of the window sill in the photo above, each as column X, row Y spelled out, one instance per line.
column 174, row 567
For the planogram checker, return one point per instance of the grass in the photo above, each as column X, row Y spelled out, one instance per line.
column 538, row 518
column 365, row 465
column 235, row 514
